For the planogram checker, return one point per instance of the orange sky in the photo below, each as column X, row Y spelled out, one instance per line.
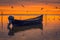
column 31, row 9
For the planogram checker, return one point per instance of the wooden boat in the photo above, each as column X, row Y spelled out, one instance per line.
column 21, row 25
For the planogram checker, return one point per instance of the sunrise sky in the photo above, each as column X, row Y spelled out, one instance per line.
column 30, row 6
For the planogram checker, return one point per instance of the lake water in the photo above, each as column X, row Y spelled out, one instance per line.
column 51, row 29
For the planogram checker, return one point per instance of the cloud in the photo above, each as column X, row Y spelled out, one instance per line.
column 7, row 2
column 14, row 2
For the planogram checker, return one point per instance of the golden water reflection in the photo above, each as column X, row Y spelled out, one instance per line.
column 50, row 22
column 51, row 28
